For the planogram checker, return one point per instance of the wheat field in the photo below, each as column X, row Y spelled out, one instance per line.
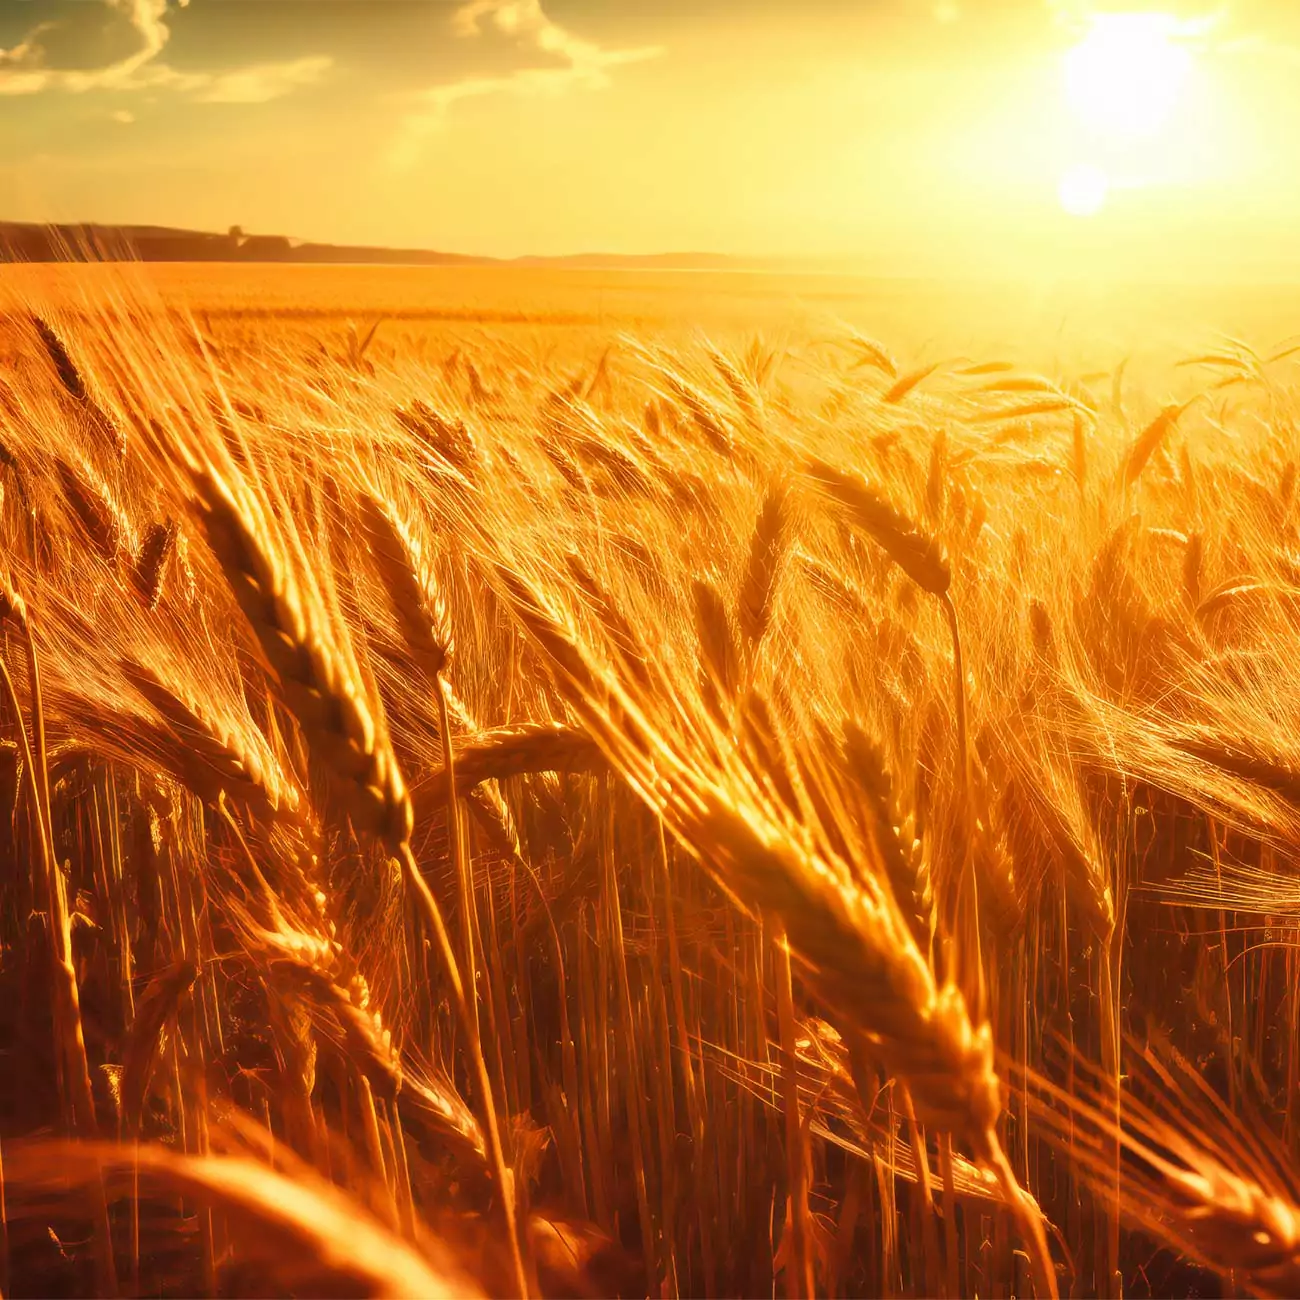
column 679, row 800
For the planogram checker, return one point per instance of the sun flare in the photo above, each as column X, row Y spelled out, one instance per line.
column 1083, row 190
column 1125, row 78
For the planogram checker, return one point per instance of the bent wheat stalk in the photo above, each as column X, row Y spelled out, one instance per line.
column 339, row 726
column 851, row 938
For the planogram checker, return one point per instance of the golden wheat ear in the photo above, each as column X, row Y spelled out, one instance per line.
column 244, row 773
column 407, row 574
column 337, row 721
column 907, row 867
column 1145, row 445
column 503, row 752
column 920, row 555
column 768, row 550
column 73, row 383
column 157, row 551
column 719, row 658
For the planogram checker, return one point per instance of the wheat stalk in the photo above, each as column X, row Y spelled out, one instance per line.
column 849, row 935
column 339, row 726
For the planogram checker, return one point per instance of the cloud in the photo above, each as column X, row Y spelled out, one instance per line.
column 28, row 69
column 569, row 62
column 35, row 65
column 264, row 81
column 526, row 20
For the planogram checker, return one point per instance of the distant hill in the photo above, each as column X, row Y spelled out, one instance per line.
column 27, row 242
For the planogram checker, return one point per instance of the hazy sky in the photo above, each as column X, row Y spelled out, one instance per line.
column 909, row 132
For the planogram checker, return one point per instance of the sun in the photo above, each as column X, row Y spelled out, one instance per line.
column 1083, row 190
column 1125, row 77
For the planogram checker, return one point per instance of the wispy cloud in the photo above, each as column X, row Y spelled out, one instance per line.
column 26, row 69
column 263, row 82
column 569, row 62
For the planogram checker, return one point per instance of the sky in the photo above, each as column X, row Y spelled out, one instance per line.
column 905, row 135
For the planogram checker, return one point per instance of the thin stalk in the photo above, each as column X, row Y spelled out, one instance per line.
column 496, row 1152
column 929, row 1235
column 949, row 1215
column 799, row 1271
column 959, row 704
column 370, row 1129
column 4, row 1230
column 457, row 847
column 67, row 1000
column 694, row 1111
column 1111, row 1068
column 631, row 1062
column 1029, row 1222
column 969, row 963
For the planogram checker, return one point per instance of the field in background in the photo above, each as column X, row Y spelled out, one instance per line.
column 1072, row 327
column 646, row 784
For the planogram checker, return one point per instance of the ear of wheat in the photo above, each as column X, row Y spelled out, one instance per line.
column 317, row 686
column 767, row 554
column 408, row 577
column 919, row 556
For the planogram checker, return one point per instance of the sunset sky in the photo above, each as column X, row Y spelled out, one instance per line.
column 908, row 134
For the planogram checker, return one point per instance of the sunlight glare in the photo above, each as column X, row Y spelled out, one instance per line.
column 1083, row 190
column 1125, row 77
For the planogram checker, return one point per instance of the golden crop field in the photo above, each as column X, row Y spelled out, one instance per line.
column 592, row 783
